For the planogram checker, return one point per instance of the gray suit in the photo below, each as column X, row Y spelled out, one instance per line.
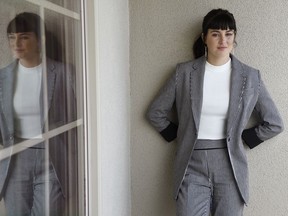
column 60, row 99
column 185, row 89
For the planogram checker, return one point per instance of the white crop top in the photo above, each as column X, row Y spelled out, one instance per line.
column 26, row 101
column 216, row 94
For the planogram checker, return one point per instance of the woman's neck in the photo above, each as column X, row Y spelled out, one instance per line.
column 29, row 63
column 218, row 61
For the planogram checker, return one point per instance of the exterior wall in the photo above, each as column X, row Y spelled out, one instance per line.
column 162, row 34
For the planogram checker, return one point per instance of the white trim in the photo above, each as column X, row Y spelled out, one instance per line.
column 93, row 109
column 7, row 152
column 85, row 111
column 56, row 8
column 45, row 111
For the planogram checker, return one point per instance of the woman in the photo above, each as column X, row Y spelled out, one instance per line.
column 25, row 182
column 215, row 95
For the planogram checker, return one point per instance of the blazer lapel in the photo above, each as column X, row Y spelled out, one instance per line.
column 196, row 89
column 51, row 77
column 6, row 96
column 238, row 82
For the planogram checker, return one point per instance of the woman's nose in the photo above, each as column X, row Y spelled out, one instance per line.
column 17, row 41
column 222, row 38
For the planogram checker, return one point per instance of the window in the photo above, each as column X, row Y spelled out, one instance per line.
column 42, row 120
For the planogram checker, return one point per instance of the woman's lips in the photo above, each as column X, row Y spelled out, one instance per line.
column 222, row 48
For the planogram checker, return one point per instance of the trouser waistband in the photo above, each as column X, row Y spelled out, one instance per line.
column 203, row 144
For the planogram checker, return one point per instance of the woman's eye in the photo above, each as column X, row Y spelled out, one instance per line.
column 24, row 37
column 11, row 37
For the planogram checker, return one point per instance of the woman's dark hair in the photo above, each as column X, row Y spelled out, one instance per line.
column 215, row 19
column 25, row 22
column 30, row 22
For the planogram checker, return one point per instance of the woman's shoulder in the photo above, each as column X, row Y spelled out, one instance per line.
column 236, row 62
column 250, row 72
column 53, row 64
column 59, row 67
column 191, row 64
column 9, row 68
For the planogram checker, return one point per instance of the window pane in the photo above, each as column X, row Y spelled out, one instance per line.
column 68, row 4
column 41, row 109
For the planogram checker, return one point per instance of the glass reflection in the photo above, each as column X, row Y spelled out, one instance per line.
column 37, row 94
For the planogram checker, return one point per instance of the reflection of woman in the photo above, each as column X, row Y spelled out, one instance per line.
column 214, row 96
column 23, row 183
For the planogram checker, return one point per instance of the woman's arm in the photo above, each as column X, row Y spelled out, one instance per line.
column 271, row 122
column 161, row 106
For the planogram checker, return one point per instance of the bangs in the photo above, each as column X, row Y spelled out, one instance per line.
column 221, row 21
column 22, row 26
column 24, row 23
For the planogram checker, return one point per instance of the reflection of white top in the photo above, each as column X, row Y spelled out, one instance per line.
column 216, row 93
column 26, row 101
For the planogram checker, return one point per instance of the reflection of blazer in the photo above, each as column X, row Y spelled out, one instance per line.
column 248, row 93
column 60, row 98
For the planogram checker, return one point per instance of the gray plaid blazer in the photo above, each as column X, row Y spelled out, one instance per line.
column 61, row 97
column 247, row 94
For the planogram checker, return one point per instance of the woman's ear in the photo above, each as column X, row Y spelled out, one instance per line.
column 203, row 38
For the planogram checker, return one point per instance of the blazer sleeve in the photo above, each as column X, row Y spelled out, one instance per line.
column 270, row 123
column 161, row 106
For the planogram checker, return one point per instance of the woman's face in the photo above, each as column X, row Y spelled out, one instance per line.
column 24, row 45
column 219, row 43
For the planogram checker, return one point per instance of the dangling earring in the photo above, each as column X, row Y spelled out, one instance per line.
column 234, row 46
column 205, row 46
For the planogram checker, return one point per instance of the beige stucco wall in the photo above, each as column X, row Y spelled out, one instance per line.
column 162, row 34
